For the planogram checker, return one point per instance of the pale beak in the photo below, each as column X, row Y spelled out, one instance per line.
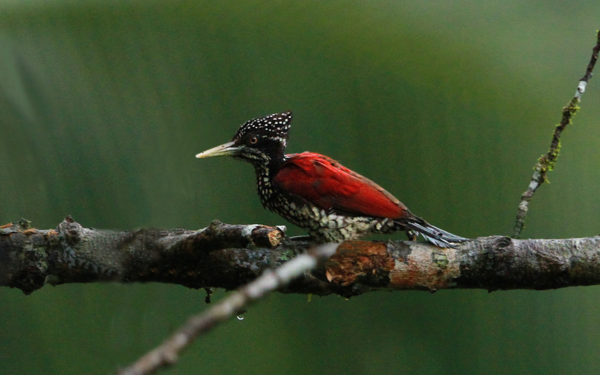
column 222, row 150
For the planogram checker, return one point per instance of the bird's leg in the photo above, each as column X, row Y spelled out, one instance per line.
column 412, row 235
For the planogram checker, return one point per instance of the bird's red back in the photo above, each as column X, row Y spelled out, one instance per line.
column 329, row 185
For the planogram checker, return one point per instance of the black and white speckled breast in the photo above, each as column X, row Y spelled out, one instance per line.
column 323, row 225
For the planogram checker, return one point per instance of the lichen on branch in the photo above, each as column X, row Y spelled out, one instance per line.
column 547, row 161
column 229, row 256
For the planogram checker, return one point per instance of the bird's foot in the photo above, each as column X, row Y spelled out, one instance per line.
column 412, row 235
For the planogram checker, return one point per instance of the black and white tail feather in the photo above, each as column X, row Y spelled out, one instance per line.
column 435, row 235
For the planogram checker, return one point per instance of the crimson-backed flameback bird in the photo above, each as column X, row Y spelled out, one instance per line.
column 318, row 193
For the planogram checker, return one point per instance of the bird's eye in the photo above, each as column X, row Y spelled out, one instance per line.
column 253, row 140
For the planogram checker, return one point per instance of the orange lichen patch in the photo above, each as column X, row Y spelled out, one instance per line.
column 425, row 268
column 275, row 237
column 51, row 232
column 6, row 225
column 358, row 258
column 30, row 231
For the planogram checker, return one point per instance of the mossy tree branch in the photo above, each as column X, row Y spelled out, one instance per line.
column 229, row 256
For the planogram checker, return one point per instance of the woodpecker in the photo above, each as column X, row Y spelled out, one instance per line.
column 316, row 192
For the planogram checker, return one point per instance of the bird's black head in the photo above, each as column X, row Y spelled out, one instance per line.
column 262, row 140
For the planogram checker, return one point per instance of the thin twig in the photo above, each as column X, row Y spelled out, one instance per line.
column 168, row 352
column 547, row 162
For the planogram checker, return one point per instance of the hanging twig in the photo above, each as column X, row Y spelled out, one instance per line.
column 547, row 162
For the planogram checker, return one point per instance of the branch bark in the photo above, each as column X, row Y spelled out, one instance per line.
column 230, row 256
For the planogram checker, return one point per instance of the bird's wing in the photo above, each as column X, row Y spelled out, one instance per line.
column 327, row 184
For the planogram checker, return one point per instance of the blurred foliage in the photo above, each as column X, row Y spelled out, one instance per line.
column 103, row 105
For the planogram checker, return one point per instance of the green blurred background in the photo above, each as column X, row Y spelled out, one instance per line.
column 103, row 105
